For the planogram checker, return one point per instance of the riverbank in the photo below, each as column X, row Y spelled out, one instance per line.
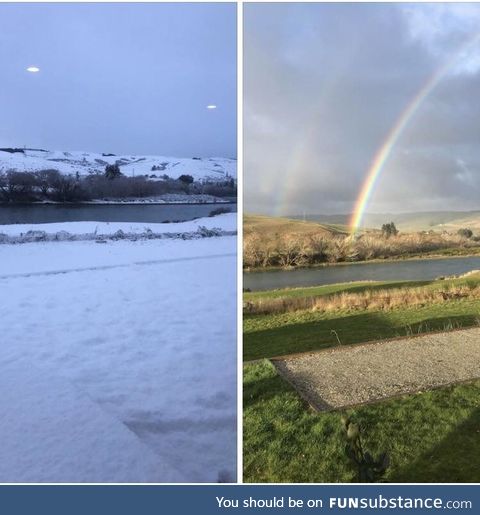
column 161, row 199
column 220, row 225
column 446, row 253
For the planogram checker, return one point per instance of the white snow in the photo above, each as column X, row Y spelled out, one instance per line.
column 80, row 442
column 212, row 168
column 226, row 222
column 118, row 360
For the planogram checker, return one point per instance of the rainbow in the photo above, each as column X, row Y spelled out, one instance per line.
column 385, row 150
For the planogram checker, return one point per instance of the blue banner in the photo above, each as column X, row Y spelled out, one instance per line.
column 225, row 499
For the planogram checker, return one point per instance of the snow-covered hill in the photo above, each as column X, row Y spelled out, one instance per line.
column 215, row 169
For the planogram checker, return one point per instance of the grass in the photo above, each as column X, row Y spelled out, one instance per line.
column 289, row 333
column 447, row 252
column 374, row 300
column 430, row 437
column 268, row 225
column 328, row 289
column 471, row 279
column 279, row 334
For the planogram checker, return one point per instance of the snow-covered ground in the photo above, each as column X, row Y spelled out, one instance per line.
column 226, row 222
column 118, row 360
column 213, row 168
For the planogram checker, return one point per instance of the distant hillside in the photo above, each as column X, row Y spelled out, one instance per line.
column 269, row 225
column 470, row 221
column 214, row 169
column 419, row 221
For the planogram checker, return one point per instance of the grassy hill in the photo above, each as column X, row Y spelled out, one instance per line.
column 408, row 222
column 269, row 225
column 471, row 221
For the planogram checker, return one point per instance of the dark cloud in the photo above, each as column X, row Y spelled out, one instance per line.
column 324, row 83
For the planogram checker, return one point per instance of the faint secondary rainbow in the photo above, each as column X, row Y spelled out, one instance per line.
column 383, row 153
column 300, row 157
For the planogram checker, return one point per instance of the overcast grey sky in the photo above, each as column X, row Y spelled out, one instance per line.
column 324, row 83
column 122, row 78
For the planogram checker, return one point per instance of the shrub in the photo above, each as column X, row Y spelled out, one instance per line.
column 220, row 189
column 220, row 211
column 389, row 230
column 369, row 469
column 17, row 186
column 316, row 249
column 465, row 233
column 186, row 179
column 290, row 251
column 46, row 179
column 112, row 171
column 66, row 188
column 256, row 251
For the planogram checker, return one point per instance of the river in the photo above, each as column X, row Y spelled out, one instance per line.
column 415, row 270
column 82, row 212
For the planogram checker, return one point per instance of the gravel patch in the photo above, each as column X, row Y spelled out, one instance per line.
column 348, row 376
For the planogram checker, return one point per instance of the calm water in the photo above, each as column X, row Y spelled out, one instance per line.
column 392, row 271
column 46, row 213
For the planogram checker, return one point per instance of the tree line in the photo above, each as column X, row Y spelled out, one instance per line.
column 298, row 249
column 50, row 184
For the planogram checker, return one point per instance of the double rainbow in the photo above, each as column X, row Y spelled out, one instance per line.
column 383, row 153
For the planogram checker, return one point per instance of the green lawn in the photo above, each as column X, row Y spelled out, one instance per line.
column 356, row 287
column 430, row 437
column 267, row 336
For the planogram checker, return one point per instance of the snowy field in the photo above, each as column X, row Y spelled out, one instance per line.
column 118, row 359
column 211, row 168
